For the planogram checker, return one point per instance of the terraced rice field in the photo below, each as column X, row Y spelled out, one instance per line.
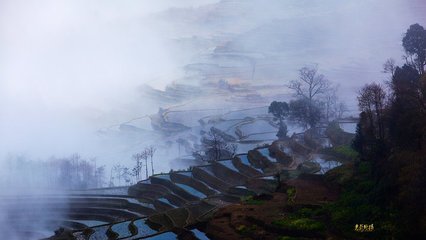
column 153, row 208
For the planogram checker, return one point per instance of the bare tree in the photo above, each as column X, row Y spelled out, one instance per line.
column 100, row 175
column 333, row 108
column 180, row 142
column 145, row 157
column 215, row 144
column 138, row 157
column 341, row 109
column 214, row 147
column 232, row 148
column 111, row 178
column 310, row 84
column 371, row 100
column 150, row 152
column 330, row 102
column 200, row 155
column 120, row 172
column 389, row 67
column 312, row 90
column 126, row 175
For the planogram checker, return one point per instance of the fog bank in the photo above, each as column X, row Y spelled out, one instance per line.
column 70, row 68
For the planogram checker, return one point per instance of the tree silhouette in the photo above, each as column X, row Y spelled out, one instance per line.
column 310, row 84
column 414, row 43
column 280, row 111
column 150, row 152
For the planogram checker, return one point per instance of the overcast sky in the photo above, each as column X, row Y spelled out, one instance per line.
column 66, row 63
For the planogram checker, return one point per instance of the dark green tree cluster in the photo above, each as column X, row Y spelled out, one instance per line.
column 305, row 112
column 311, row 91
column 415, row 47
column 391, row 135
column 315, row 101
column 280, row 111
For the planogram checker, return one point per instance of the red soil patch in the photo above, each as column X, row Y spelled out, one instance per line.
column 236, row 221
column 312, row 189
column 250, row 220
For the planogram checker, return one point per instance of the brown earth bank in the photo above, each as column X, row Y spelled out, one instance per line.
column 277, row 216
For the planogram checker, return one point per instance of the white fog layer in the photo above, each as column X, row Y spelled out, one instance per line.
column 71, row 68
column 85, row 85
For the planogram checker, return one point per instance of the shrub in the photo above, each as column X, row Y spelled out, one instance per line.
column 245, row 230
column 343, row 152
column 302, row 224
column 346, row 151
column 364, row 168
column 337, row 136
column 251, row 201
column 291, row 194
column 287, row 238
